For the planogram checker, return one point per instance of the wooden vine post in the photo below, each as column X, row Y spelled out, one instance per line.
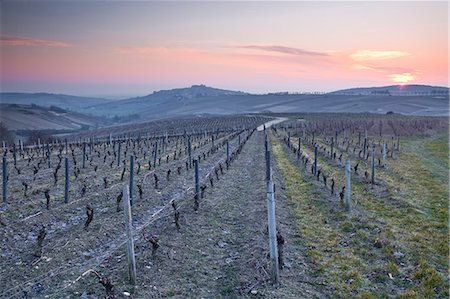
column 156, row 153
column 14, row 154
column 49, row 156
column 332, row 145
column 131, row 178
column 228, row 152
column 347, row 198
column 197, row 185
column 373, row 164
column 271, row 221
column 289, row 139
column 66, row 183
column 118, row 154
column 84, row 154
column 5, row 178
column 315, row 160
column 364, row 148
column 190, row 152
column 129, row 235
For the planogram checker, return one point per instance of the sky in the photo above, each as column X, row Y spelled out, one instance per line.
column 118, row 48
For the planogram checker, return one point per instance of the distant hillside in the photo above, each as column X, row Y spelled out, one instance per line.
column 166, row 103
column 33, row 117
column 396, row 90
column 200, row 99
column 67, row 102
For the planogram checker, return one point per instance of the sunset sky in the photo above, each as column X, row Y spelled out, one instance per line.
column 134, row 48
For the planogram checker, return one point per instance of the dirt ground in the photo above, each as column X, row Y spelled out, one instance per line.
column 221, row 251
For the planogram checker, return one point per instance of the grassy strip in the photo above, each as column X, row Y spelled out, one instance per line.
column 341, row 268
column 438, row 148
column 415, row 213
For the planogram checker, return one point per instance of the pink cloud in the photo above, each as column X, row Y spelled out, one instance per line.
column 283, row 49
column 23, row 41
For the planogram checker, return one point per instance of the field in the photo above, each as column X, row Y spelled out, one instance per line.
column 212, row 242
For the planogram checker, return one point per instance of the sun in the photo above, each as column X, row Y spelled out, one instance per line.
column 402, row 78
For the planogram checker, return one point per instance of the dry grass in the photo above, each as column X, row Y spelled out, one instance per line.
column 408, row 208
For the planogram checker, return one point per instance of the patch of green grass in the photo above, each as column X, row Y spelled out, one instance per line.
column 170, row 293
column 229, row 281
column 226, row 290
column 347, row 226
column 339, row 265
column 413, row 216
column 429, row 282
column 438, row 148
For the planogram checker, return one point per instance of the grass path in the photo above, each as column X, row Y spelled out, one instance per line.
column 420, row 232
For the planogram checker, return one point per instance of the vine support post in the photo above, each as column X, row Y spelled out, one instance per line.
column 131, row 178
column 14, row 154
column 347, row 199
column 118, row 154
column 66, row 182
column 156, row 153
column 373, row 164
column 197, row 181
column 272, row 221
column 228, row 152
column 364, row 148
column 332, row 145
column 315, row 160
column 289, row 139
column 129, row 235
column 190, row 151
column 84, row 154
column 49, row 156
column 5, row 179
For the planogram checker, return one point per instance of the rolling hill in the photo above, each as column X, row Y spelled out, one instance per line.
column 33, row 117
column 396, row 90
column 200, row 99
column 68, row 102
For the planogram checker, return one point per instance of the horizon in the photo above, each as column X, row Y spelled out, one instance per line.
column 130, row 49
column 125, row 97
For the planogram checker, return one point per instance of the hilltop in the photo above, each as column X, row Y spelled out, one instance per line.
column 396, row 90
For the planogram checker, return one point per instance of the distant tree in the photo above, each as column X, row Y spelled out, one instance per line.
column 41, row 135
column 6, row 135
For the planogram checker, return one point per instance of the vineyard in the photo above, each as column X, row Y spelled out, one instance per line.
column 178, row 208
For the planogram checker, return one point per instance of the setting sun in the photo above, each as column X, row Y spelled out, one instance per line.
column 402, row 78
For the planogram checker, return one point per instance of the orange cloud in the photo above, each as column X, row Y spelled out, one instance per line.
column 366, row 55
column 22, row 41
